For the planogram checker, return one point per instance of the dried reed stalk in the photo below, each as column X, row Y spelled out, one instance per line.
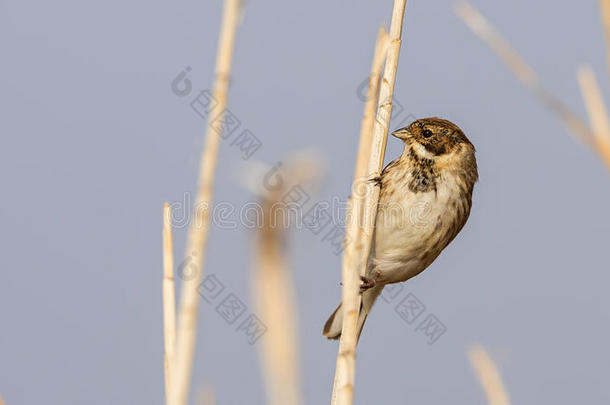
column 358, row 239
column 355, row 206
column 370, row 105
column 596, row 109
column 169, row 299
column 273, row 289
column 604, row 6
column 206, row 396
column 200, row 221
column 488, row 376
column 484, row 30
column 274, row 298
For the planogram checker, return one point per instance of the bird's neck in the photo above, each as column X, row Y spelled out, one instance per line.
column 417, row 156
column 417, row 151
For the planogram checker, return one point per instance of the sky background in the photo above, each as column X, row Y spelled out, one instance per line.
column 93, row 141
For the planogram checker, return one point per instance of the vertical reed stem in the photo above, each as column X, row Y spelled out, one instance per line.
column 200, row 221
column 354, row 257
column 169, row 299
column 274, row 296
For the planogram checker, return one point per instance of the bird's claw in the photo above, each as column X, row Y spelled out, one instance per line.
column 375, row 180
column 366, row 284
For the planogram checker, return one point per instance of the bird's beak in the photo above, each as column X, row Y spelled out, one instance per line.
column 401, row 133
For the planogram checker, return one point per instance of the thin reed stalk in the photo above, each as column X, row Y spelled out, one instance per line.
column 273, row 288
column 355, row 207
column 275, row 302
column 200, row 221
column 370, row 105
column 489, row 376
column 596, row 109
column 604, row 6
column 521, row 69
column 206, row 396
column 358, row 239
column 169, row 299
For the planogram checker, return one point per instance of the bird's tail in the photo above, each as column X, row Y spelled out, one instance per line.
column 332, row 327
column 334, row 324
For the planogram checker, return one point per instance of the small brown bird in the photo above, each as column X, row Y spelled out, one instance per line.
column 425, row 200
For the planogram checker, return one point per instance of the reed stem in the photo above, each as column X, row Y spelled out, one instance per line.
column 596, row 108
column 274, row 295
column 359, row 238
column 200, row 221
column 521, row 69
column 169, row 299
column 489, row 376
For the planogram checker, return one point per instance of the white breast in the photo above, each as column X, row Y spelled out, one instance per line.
column 413, row 228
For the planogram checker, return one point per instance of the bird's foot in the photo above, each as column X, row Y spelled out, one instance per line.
column 376, row 181
column 366, row 284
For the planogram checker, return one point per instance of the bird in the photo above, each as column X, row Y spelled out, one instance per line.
column 424, row 202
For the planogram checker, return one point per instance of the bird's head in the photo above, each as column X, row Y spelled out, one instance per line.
column 434, row 138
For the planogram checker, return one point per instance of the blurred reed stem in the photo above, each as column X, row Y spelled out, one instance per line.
column 488, row 375
column 604, row 6
column 597, row 135
column 521, row 69
column 596, row 108
column 206, row 396
column 274, row 298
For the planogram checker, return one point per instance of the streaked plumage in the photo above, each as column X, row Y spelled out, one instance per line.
column 425, row 200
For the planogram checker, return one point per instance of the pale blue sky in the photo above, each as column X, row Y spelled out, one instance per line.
column 94, row 141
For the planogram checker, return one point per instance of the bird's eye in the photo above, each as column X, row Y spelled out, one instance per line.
column 427, row 133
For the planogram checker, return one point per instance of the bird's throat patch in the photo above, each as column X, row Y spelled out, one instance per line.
column 423, row 174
